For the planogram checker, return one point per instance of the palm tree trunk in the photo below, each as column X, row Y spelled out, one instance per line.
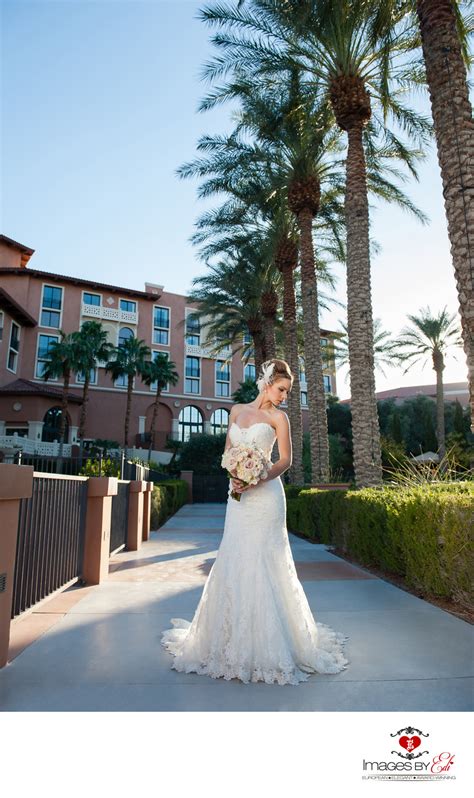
column 255, row 329
column 153, row 422
column 296, row 472
column 64, row 406
column 318, row 425
column 85, row 399
column 365, row 423
column 438, row 365
column 269, row 312
column 129, row 408
column 454, row 129
column 269, row 336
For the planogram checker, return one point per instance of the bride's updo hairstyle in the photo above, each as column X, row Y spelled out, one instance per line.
column 273, row 370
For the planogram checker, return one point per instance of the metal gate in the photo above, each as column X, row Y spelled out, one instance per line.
column 119, row 522
column 51, row 536
column 210, row 488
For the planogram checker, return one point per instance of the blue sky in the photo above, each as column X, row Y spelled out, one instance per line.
column 100, row 108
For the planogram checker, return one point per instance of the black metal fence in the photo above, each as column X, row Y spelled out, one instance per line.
column 210, row 488
column 96, row 465
column 51, row 534
column 119, row 524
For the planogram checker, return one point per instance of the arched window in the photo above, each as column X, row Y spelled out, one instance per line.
column 124, row 335
column 52, row 421
column 219, row 421
column 190, row 420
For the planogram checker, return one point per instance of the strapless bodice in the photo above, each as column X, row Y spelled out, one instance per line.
column 261, row 433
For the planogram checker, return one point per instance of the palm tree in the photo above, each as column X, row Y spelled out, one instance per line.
column 348, row 49
column 160, row 372
column 128, row 360
column 386, row 349
column 296, row 131
column 286, row 261
column 62, row 360
column 229, row 299
column 255, row 178
column 443, row 36
column 92, row 347
column 431, row 335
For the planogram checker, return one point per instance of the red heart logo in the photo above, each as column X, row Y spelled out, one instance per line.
column 409, row 743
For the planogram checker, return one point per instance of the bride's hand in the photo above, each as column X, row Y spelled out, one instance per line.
column 237, row 485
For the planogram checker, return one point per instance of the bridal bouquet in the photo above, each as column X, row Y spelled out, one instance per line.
column 248, row 463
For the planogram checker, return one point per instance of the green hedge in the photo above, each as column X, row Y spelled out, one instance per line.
column 422, row 533
column 167, row 497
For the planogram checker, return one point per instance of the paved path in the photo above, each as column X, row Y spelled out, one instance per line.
column 98, row 648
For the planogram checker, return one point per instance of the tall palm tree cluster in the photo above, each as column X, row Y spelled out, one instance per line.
column 320, row 98
column 82, row 350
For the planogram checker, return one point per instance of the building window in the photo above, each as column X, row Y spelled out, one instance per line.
column 153, row 385
column 92, row 377
column 161, row 326
column 51, row 306
column 327, row 383
column 325, row 352
column 22, row 432
column 222, row 378
column 124, row 335
column 44, row 344
column 304, row 398
column 302, row 371
column 247, row 338
column 1, row 325
column 14, row 347
column 220, row 421
column 193, row 331
column 91, row 299
column 127, row 306
column 192, row 375
column 52, row 425
column 190, row 420
column 249, row 372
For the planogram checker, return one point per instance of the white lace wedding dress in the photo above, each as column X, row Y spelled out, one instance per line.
column 253, row 621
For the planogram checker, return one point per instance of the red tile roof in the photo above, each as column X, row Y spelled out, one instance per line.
column 28, row 388
column 79, row 281
column 15, row 310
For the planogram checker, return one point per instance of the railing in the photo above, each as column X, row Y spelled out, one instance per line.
column 97, row 465
column 119, row 524
column 110, row 314
column 51, row 534
column 29, row 446
column 203, row 351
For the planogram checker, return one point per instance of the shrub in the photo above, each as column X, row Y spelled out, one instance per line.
column 423, row 533
column 202, row 454
column 109, row 468
column 166, row 498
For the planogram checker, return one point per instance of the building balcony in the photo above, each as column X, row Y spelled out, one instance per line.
column 197, row 350
column 28, row 446
column 109, row 314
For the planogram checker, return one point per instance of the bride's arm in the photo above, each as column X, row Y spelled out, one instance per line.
column 284, row 447
column 232, row 415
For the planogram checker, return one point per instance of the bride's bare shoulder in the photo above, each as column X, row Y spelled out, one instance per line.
column 234, row 411
column 281, row 419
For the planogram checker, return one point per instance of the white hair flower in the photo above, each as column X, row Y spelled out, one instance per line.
column 265, row 377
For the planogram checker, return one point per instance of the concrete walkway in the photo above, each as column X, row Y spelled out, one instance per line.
column 98, row 648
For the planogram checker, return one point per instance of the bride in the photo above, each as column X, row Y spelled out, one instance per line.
column 253, row 621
